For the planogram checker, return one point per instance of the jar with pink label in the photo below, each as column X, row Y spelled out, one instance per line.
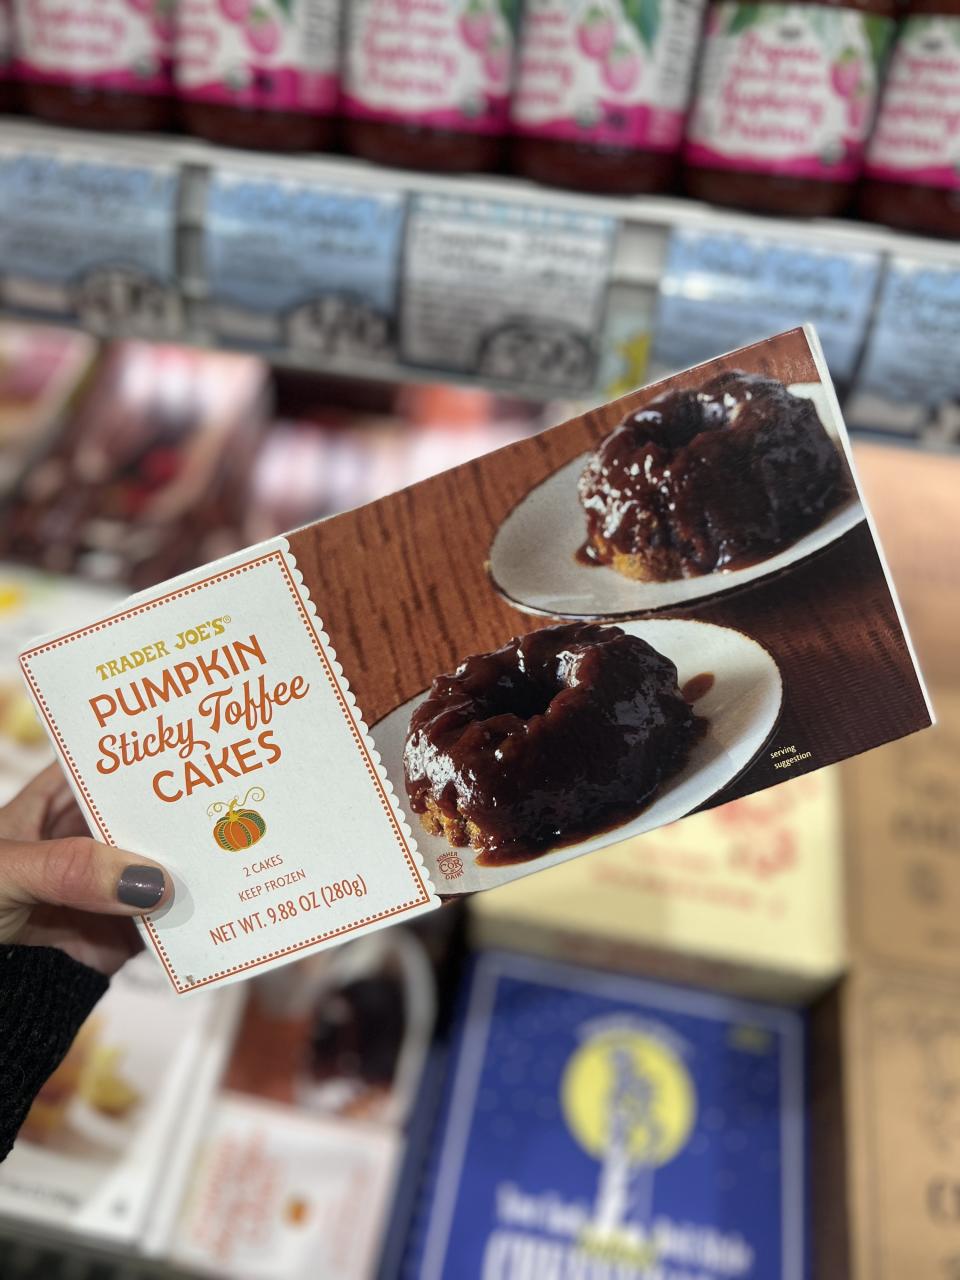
column 100, row 64
column 602, row 89
column 784, row 103
column 259, row 73
column 913, row 161
column 427, row 82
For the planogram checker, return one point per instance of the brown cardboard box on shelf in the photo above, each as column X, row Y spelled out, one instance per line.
column 902, row 810
column 913, row 499
column 744, row 898
column 885, row 1129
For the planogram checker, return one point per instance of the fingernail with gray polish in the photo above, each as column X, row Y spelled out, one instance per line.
column 141, row 887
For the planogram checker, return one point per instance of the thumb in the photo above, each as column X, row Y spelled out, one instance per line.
column 81, row 873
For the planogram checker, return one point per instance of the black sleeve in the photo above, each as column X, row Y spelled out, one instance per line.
column 45, row 997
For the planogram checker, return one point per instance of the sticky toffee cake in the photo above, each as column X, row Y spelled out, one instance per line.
column 698, row 481
column 555, row 736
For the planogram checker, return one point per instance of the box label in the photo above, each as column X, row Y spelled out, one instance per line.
column 219, row 737
column 909, row 379
column 302, row 266
column 721, row 289
column 507, row 292
column 90, row 240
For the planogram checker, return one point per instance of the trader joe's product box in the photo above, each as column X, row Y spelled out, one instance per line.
column 491, row 672
column 607, row 1127
column 278, row 1195
column 746, row 898
column 886, row 1128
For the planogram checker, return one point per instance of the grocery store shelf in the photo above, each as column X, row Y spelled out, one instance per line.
column 626, row 284
column 634, row 261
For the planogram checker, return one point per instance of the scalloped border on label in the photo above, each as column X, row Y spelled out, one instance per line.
column 423, row 896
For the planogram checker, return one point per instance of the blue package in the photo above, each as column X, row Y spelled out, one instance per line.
column 722, row 290
column 599, row 1127
column 909, row 380
column 303, row 265
column 90, row 240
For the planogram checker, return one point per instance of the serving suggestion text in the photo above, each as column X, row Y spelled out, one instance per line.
column 234, row 695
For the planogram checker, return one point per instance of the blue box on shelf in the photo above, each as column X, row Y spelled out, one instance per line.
column 600, row 1127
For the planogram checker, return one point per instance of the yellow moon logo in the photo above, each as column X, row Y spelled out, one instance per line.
column 625, row 1082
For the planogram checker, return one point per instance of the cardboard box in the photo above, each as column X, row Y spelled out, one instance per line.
column 106, row 1128
column 606, row 1127
column 278, row 1195
column 745, row 898
column 913, row 499
column 220, row 722
column 886, row 1129
column 903, row 841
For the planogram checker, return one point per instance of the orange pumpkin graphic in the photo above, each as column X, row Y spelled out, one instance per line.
column 240, row 827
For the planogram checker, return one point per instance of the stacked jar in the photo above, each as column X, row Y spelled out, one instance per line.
column 427, row 82
column 259, row 73
column 105, row 64
column 913, row 161
column 784, row 103
column 602, row 90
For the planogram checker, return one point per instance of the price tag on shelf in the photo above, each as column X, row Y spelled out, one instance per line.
column 909, row 380
column 302, row 266
column 90, row 240
column 514, row 293
column 722, row 290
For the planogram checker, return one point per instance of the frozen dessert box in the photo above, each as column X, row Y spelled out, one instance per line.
column 609, row 1127
column 664, row 604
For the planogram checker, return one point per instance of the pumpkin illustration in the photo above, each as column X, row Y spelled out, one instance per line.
column 240, row 827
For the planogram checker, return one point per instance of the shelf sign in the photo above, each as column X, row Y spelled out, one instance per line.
column 301, row 266
column 506, row 292
column 722, row 290
column 90, row 241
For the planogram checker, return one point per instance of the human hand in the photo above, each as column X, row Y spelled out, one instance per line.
column 59, row 888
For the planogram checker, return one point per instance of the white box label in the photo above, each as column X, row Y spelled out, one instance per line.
column 213, row 725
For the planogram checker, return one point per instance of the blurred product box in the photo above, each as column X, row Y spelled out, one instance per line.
column 344, row 1033
column 726, row 288
column 885, row 1127
column 41, row 372
column 302, row 266
column 105, row 1127
column 908, row 381
column 282, row 1196
column 31, row 601
column 90, row 239
column 903, row 835
column 745, row 898
column 606, row 1127
column 513, row 293
column 151, row 477
column 913, row 497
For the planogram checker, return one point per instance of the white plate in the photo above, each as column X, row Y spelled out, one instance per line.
column 743, row 708
column 533, row 560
